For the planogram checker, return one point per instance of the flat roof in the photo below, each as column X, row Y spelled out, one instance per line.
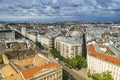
column 5, row 30
column 14, row 77
column 8, row 70
column 70, row 40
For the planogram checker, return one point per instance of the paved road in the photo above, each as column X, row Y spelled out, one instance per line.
column 74, row 74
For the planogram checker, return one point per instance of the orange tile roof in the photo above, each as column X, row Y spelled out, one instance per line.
column 29, row 73
column 102, row 56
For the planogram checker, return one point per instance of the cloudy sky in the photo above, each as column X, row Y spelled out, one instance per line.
column 60, row 10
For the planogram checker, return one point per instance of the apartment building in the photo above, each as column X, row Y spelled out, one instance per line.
column 32, row 36
column 22, row 63
column 35, row 67
column 68, row 47
column 39, row 68
column 98, row 61
column 115, row 43
column 47, row 40
column 94, row 32
column 7, row 35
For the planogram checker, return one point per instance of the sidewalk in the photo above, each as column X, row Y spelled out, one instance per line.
column 83, row 72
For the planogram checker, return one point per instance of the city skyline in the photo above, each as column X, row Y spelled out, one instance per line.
column 59, row 10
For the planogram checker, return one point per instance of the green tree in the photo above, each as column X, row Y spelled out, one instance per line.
column 56, row 54
column 67, row 76
column 1, row 59
column 76, row 62
column 79, row 61
column 97, row 76
column 102, row 76
column 39, row 45
column 107, row 75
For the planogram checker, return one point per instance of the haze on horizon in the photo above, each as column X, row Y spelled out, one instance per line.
column 60, row 10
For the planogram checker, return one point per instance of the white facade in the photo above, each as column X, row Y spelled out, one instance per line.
column 32, row 37
column 39, row 37
column 23, row 31
column 98, row 65
column 46, row 42
column 66, row 48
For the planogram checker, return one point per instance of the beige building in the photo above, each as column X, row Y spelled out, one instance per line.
column 7, row 72
column 39, row 68
column 99, row 62
column 47, row 43
column 35, row 67
column 68, row 47
column 47, row 40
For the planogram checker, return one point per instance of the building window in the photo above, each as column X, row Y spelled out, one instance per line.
column 44, row 78
column 51, row 76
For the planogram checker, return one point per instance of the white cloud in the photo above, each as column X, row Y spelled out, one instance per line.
column 49, row 9
column 54, row 1
column 61, row 8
